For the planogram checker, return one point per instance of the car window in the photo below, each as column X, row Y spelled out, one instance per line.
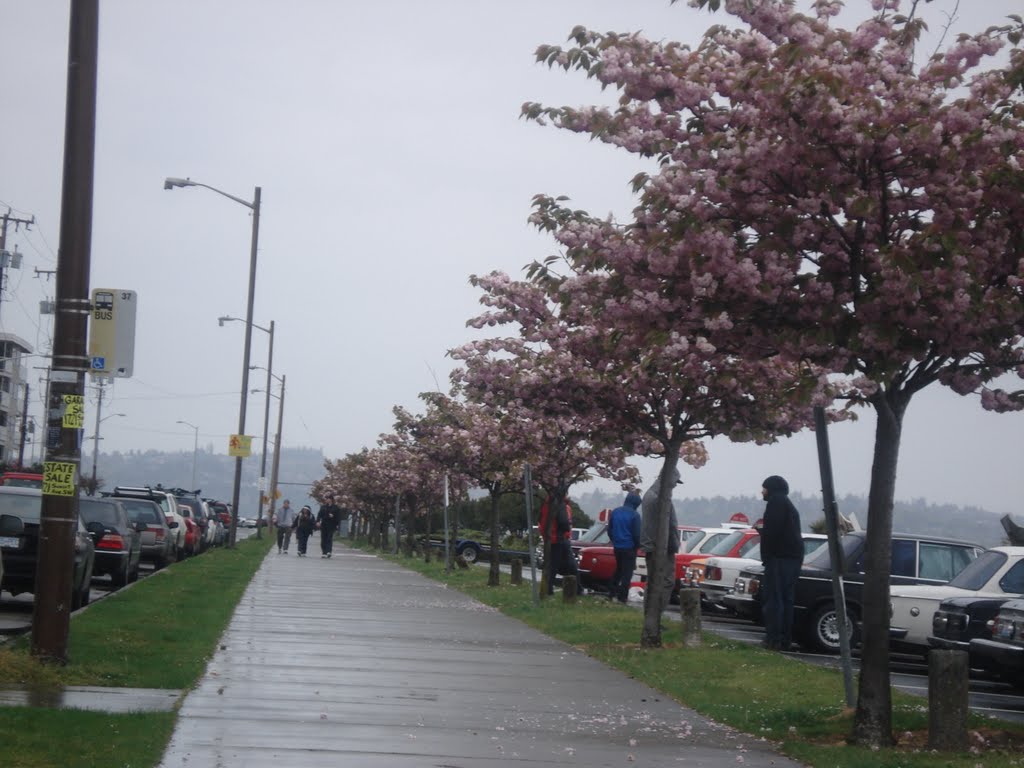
column 695, row 541
column 141, row 511
column 943, row 561
column 978, row 573
column 595, row 532
column 1013, row 579
column 904, row 558
column 723, row 545
column 811, row 545
column 749, row 545
column 754, row 553
column 707, row 544
column 95, row 511
column 28, row 508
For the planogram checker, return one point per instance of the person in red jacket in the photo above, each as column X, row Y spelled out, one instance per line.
column 556, row 530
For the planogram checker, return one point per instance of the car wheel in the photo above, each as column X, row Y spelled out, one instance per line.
column 469, row 552
column 823, row 632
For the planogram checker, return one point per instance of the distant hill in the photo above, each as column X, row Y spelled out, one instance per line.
column 917, row 516
column 299, row 468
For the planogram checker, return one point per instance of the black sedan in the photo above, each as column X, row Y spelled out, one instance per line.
column 959, row 620
column 118, row 541
column 20, row 519
column 916, row 559
column 1003, row 650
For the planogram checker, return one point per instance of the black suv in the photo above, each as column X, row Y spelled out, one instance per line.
column 20, row 516
column 915, row 560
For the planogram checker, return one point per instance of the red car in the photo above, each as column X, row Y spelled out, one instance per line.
column 596, row 563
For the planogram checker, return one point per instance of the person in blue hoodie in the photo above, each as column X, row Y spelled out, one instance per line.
column 624, row 531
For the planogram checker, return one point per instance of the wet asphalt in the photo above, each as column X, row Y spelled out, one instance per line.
column 356, row 661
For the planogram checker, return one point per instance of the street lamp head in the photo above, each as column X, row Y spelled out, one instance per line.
column 223, row 319
column 171, row 182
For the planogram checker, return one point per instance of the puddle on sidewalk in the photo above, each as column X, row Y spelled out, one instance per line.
column 94, row 698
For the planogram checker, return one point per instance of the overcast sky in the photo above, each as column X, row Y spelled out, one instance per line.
column 393, row 163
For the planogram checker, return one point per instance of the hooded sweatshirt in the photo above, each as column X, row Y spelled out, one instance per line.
column 780, row 533
column 649, row 526
column 624, row 524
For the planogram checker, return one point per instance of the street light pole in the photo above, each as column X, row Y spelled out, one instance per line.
column 277, row 452
column 195, row 450
column 254, row 206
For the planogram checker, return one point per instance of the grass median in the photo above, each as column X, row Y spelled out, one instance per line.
column 799, row 706
column 159, row 633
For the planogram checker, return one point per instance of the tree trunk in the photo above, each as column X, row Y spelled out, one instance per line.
column 872, row 726
column 654, row 596
column 410, row 535
column 430, row 547
column 494, row 577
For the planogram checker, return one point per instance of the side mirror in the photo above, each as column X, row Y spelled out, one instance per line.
column 11, row 525
column 172, row 524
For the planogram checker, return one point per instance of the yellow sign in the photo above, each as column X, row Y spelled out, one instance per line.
column 240, row 445
column 74, row 412
column 58, row 478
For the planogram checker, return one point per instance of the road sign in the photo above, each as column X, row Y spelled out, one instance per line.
column 739, row 517
column 112, row 332
column 240, row 445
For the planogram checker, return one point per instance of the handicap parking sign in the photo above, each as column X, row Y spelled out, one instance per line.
column 99, row 363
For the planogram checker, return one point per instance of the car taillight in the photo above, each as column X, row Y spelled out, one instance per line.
column 752, row 586
column 111, row 541
column 158, row 531
column 713, row 573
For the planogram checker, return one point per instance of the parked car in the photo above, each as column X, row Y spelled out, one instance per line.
column 22, row 479
column 21, row 512
column 200, row 515
column 737, row 544
column 222, row 511
column 596, row 563
column 916, row 559
column 158, row 541
column 184, row 538
column 703, row 543
column 118, row 544
column 997, row 572
column 718, row 572
column 958, row 620
column 1004, row 649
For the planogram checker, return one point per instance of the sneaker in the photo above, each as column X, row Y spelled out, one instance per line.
column 328, row 554
column 279, row 550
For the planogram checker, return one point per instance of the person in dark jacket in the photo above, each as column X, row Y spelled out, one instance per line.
column 304, row 527
column 328, row 518
column 556, row 530
column 624, row 531
column 782, row 553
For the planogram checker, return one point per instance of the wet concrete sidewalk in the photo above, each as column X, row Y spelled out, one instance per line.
column 355, row 661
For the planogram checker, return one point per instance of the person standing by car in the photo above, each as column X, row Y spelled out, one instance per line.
column 624, row 531
column 304, row 527
column 284, row 520
column 557, row 532
column 782, row 553
column 649, row 532
column 327, row 520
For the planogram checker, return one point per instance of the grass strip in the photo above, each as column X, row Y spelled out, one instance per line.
column 770, row 696
column 159, row 633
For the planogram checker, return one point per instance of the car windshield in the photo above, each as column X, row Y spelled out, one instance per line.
column 977, row 573
column 822, row 558
column 695, row 540
column 724, row 546
column 593, row 534
column 26, row 507
column 755, row 552
column 96, row 511
column 811, row 545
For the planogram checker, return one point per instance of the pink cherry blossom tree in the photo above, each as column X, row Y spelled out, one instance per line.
column 620, row 347
column 823, row 199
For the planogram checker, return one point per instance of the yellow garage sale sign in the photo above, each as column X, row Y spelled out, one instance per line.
column 74, row 412
column 58, row 478
column 240, row 445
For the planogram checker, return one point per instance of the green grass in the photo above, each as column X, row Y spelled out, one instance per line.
column 52, row 738
column 160, row 633
column 797, row 705
column 157, row 634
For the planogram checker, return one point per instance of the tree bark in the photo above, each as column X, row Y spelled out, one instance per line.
column 494, row 576
column 872, row 726
column 654, row 596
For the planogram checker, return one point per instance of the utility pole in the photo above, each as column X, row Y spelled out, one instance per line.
column 7, row 259
column 96, row 437
column 64, row 408
column 277, row 455
column 24, row 428
column 266, row 427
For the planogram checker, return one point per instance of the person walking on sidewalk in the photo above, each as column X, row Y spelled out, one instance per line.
column 284, row 520
column 624, row 531
column 782, row 553
column 327, row 520
column 304, row 527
